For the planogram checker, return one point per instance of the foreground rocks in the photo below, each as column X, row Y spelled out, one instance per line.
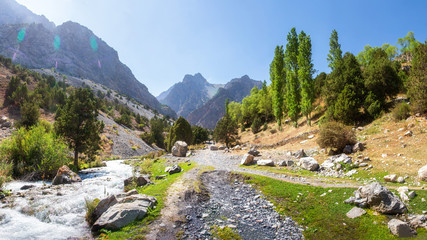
column 422, row 174
column 379, row 198
column 180, row 149
column 309, row 163
column 247, row 159
column 65, row 176
column 173, row 169
column 400, row 228
column 117, row 211
column 138, row 181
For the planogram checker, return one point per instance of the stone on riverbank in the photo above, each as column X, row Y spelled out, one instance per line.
column 65, row 176
column 247, row 159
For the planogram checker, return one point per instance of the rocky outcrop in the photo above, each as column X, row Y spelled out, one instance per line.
column 65, row 176
column 422, row 174
column 179, row 149
column 379, row 198
column 117, row 211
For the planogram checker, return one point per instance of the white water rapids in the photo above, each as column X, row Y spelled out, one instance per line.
column 58, row 212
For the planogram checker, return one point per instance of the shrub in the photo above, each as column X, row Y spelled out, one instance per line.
column 401, row 111
column 29, row 114
column 34, row 150
column 90, row 208
column 5, row 171
column 180, row 131
column 335, row 135
column 256, row 125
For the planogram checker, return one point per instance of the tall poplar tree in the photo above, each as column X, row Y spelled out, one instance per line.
column 292, row 84
column 335, row 53
column 278, row 79
column 305, row 75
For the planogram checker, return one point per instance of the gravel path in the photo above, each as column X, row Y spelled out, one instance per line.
column 236, row 205
column 221, row 161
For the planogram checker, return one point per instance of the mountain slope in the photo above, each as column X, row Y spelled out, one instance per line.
column 13, row 13
column 71, row 48
column 208, row 115
column 188, row 95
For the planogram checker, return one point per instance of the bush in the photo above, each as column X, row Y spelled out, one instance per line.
column 401, row 111
column 29, row 114
column 34, row 150
column 256, row 125
column 180, row 131
column 5, row 171
column 335, row 135
column 90, row 208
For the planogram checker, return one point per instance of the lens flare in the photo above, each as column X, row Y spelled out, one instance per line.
column 14, row 56
column 21, row 35
column 93, row 43
column 99, row 63
column 56, row 42
column 56, row 64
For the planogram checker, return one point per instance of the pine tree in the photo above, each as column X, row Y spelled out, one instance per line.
column 335, row 53
column 305, row 75
column 180, row 131
column 76, row 122
column 226, row 129
column 292, row 84
column 278, row 79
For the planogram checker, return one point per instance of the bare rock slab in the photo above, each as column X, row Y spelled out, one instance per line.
column 247, row 159
column 355, row 212
column 381, row 199
column 266, row 162
column 400, row 228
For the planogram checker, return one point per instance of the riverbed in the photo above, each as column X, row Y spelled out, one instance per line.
column 58, row 212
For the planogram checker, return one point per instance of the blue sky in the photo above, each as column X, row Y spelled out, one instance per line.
column 162, row 40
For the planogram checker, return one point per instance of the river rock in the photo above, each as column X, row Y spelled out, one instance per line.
column 25, row 187
column 309, row 163
column 253, row 152
column 65, row 176
column 139, row 181
column 355, row 212
column 173, row 169
column 400, row 228
column 125, row 211
column 381, row 199
column 213, row 148
column 266, row 162
column 179, row 149
column 391, row 178
column 103, row 205
column 422, row 174
column 247, row 159
column 222, row 147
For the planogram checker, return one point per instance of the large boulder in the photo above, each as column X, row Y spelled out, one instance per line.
column 266, row 162
column 103, row 205
column 173, row 169
column 381, row 199
column 422, row 174
column 179, row 149
column 65, row 176
column 126, row 210
column 309, row 163
column 247, row 159
column 400, row 228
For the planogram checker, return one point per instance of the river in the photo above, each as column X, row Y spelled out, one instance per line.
column 58, row 212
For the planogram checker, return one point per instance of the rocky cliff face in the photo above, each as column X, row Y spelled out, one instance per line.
column 188, row 95
column 71, row 49
column 208, row 115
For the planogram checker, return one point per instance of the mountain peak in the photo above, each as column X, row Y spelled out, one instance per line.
column 194, row 79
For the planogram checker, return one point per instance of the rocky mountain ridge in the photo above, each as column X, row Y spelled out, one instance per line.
column 71, row 48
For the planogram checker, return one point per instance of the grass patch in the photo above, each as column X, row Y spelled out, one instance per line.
column 225, row 233
column 138, row 229
column 323, row 217
column 90, row 207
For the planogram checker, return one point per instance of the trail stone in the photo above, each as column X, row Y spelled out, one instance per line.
column 391, row 178
column 381, row 199
column 179, row 149
column 422, row 174
column 347, row 149
column 400, row 228
column 65, row 176
column 266, row 162
column 309, row 163
column 355, row 212
column 173, row 169
column 253, row 152
column 247, row 159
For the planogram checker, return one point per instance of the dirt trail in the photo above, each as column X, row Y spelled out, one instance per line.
column 221, row 161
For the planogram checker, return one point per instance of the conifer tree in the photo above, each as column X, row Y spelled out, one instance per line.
column 335, row 53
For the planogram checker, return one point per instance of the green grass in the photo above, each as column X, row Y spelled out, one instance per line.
column 137, row 230
column 324, row 217
column 225, row 233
